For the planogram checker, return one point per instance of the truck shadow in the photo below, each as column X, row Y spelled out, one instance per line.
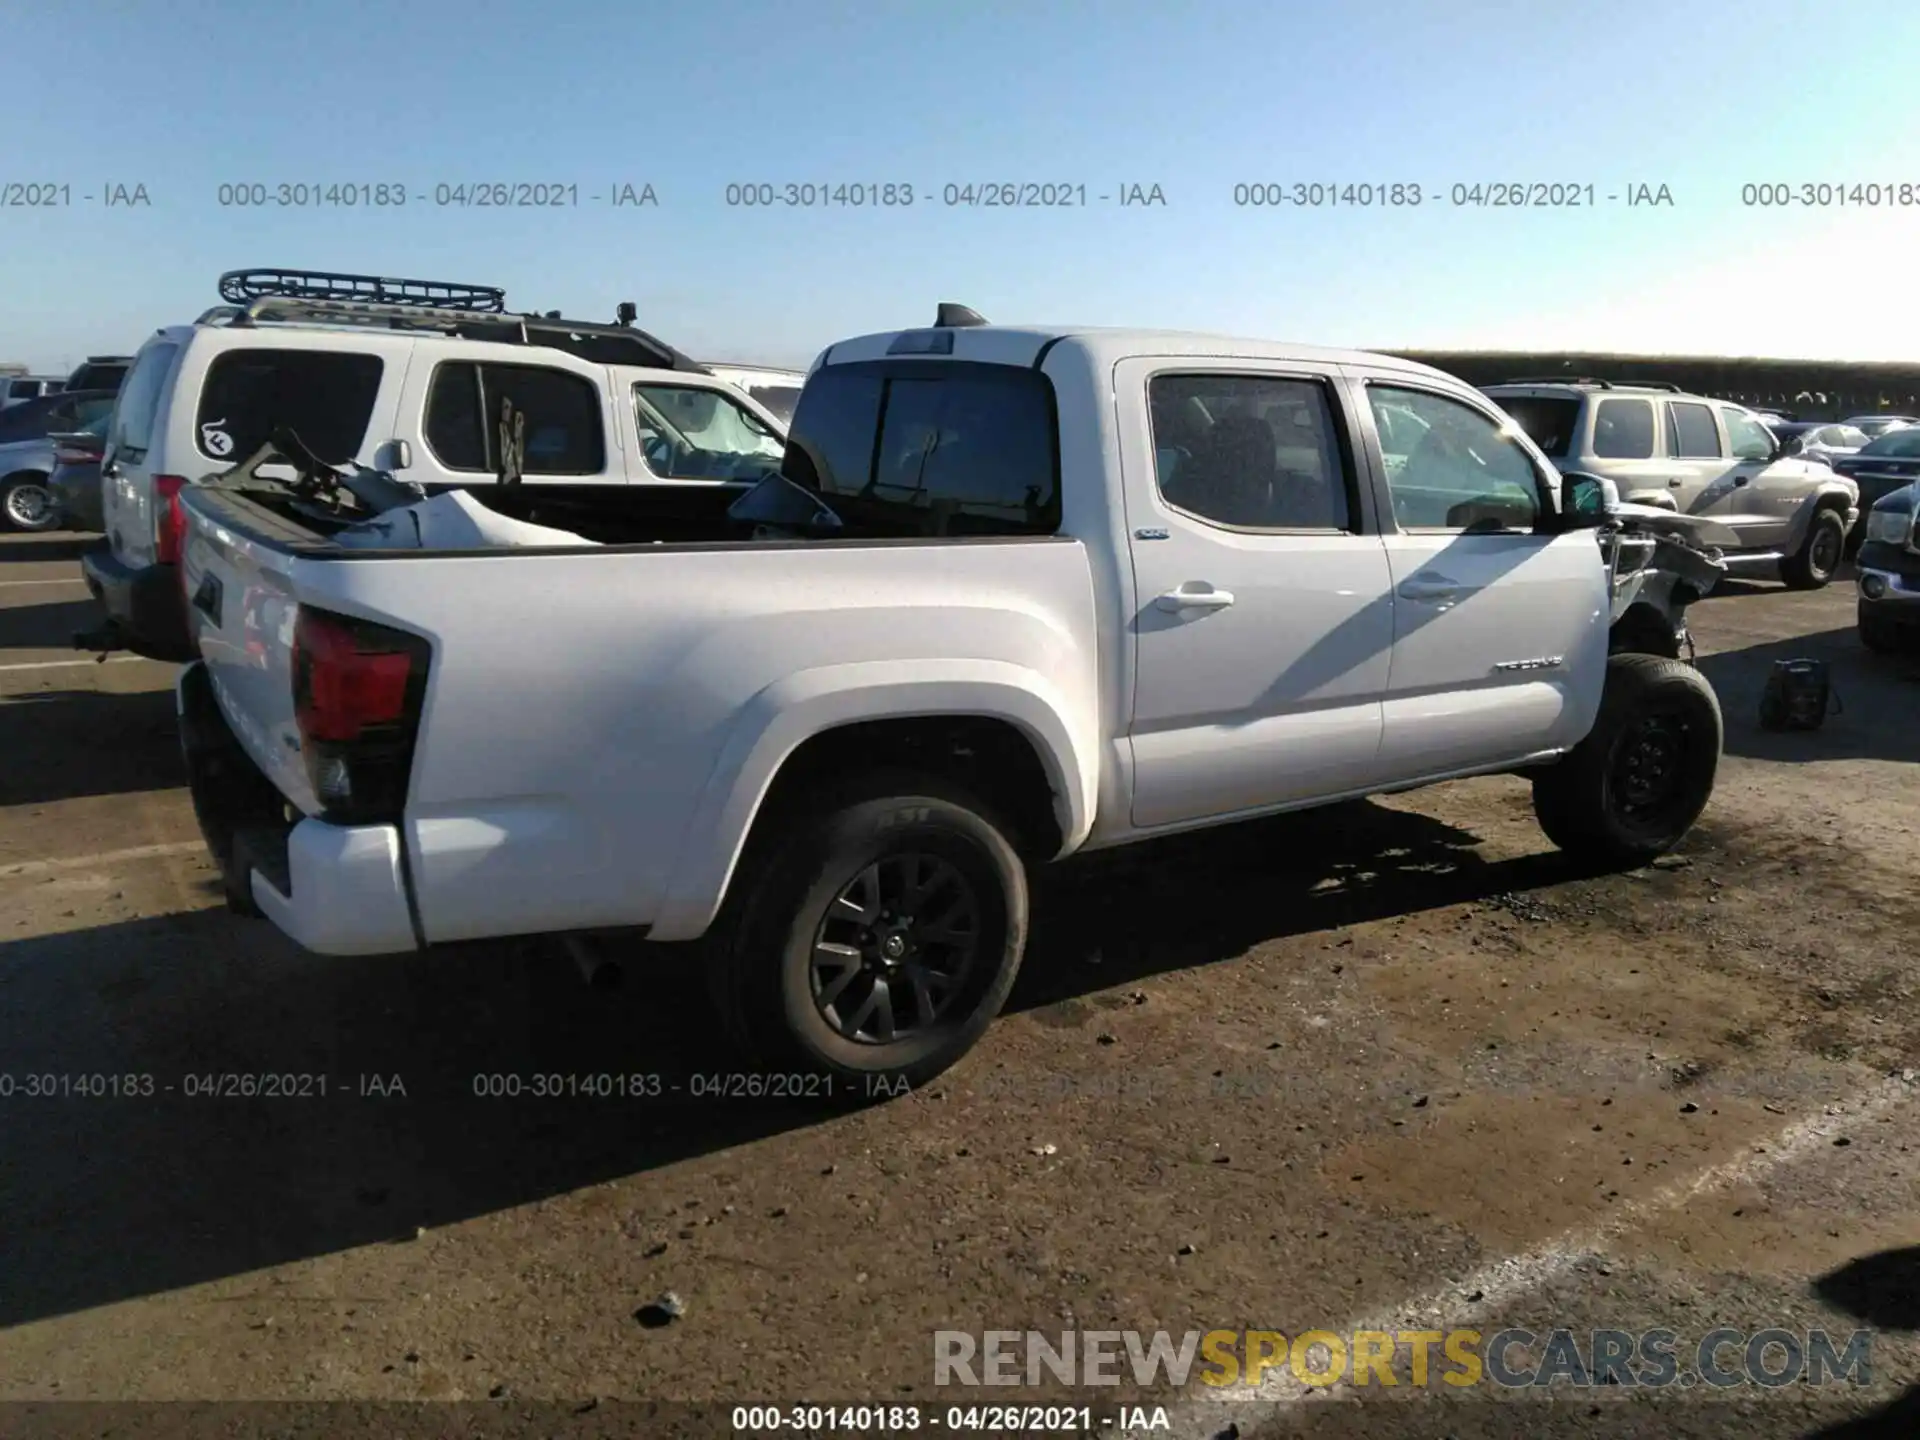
column 31, row 549
column 46, row 627
column 1877, row 695
column 1883, row 1290
column 63, row 744
column 1213, row 895
column 109, row 1197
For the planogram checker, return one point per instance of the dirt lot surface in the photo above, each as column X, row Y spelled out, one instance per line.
column 1391, row 1066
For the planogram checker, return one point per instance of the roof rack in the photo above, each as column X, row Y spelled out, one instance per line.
column 619, row 344
column 1597, row 383
column 242, row 286
column 1557, row 380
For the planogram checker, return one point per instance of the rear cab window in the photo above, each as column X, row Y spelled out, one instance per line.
column 326, row 397
column 565, row 433
column 939, row 448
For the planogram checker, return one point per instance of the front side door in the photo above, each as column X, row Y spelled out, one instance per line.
column 1264, row 629
column 1766, row 493
column 1727, row 472
column 1499, row 630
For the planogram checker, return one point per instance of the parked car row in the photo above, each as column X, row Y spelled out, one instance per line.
column 27, row 452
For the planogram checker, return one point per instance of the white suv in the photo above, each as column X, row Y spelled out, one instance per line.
column 778, row 390
column 402, row 375
column 1711, row 458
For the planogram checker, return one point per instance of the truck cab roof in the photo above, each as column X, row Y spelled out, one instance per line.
column 1027, row 345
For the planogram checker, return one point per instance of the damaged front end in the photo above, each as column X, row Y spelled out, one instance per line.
column 1658, row 563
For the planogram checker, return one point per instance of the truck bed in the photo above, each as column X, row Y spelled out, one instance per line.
column 598, row 723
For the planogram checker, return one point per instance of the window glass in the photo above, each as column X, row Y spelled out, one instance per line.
column 1904, row 443
column 23, row 389
column 780, row 399
column 453, row 429
column 1695, row 437
column 1463, row 472
column 1248, row 451
column 324, row 396
column 131, row 433
column 946, row 450
column 691, row 433
column 1623, row 430
column 563, row 432
column 1849, row 437
column 1549, row 420
column 1747, row 436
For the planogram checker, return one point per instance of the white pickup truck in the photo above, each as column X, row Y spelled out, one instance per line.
column 1020, row 593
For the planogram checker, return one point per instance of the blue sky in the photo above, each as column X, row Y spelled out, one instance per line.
column 188, row 95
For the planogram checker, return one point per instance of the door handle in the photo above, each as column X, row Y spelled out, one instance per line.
column 1676, row 482
column 1195, row 599
column 1741, row 479
column 1429, row 590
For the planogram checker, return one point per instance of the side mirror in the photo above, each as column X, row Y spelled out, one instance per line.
column 399, row 456
column 1585, row 500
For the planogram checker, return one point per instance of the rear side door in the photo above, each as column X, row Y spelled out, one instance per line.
column 451, row 417
column 1499, row 628
column 126, row 489
column 1265, row 629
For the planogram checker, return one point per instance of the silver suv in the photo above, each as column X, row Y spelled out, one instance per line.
column 1774, row 513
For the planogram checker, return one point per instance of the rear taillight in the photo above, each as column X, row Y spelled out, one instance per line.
column 63, row 455
column 169, row 520
column 357, row 692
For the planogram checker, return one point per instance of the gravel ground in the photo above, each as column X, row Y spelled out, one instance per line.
column 1394, row 1062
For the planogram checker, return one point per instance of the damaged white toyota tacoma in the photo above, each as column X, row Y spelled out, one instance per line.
column 1018, row 593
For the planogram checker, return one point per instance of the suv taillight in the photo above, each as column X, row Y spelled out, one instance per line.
column 357, row 692
column 169, row 520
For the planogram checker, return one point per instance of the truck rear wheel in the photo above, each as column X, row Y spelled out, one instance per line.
column 1635, row 785
column 877, row 933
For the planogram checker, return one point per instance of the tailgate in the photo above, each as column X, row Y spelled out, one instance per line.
column 237, row 569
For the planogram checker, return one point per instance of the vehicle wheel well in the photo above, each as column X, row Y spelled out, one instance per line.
column 1643, row 631
column 8, row 479
column 990, row 758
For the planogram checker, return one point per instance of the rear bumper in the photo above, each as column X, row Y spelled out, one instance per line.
column 346, row 890
column 334, row 889
column 148, row 612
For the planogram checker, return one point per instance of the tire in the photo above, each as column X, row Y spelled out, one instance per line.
column 1819, row 559
column 1879, row 634
column 28, row 503
column 787, row 896
column 1659, row 730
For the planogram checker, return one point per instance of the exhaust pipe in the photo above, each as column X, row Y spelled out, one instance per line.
column 596, row 969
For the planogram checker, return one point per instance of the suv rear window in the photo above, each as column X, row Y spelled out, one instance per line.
column 1548, row 420
column 1623, row 430
column 324, row 396
column 930, row 448
column 131, row 433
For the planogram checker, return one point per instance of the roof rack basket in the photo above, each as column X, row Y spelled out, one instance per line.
column 475, row 312
column 241, row 287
